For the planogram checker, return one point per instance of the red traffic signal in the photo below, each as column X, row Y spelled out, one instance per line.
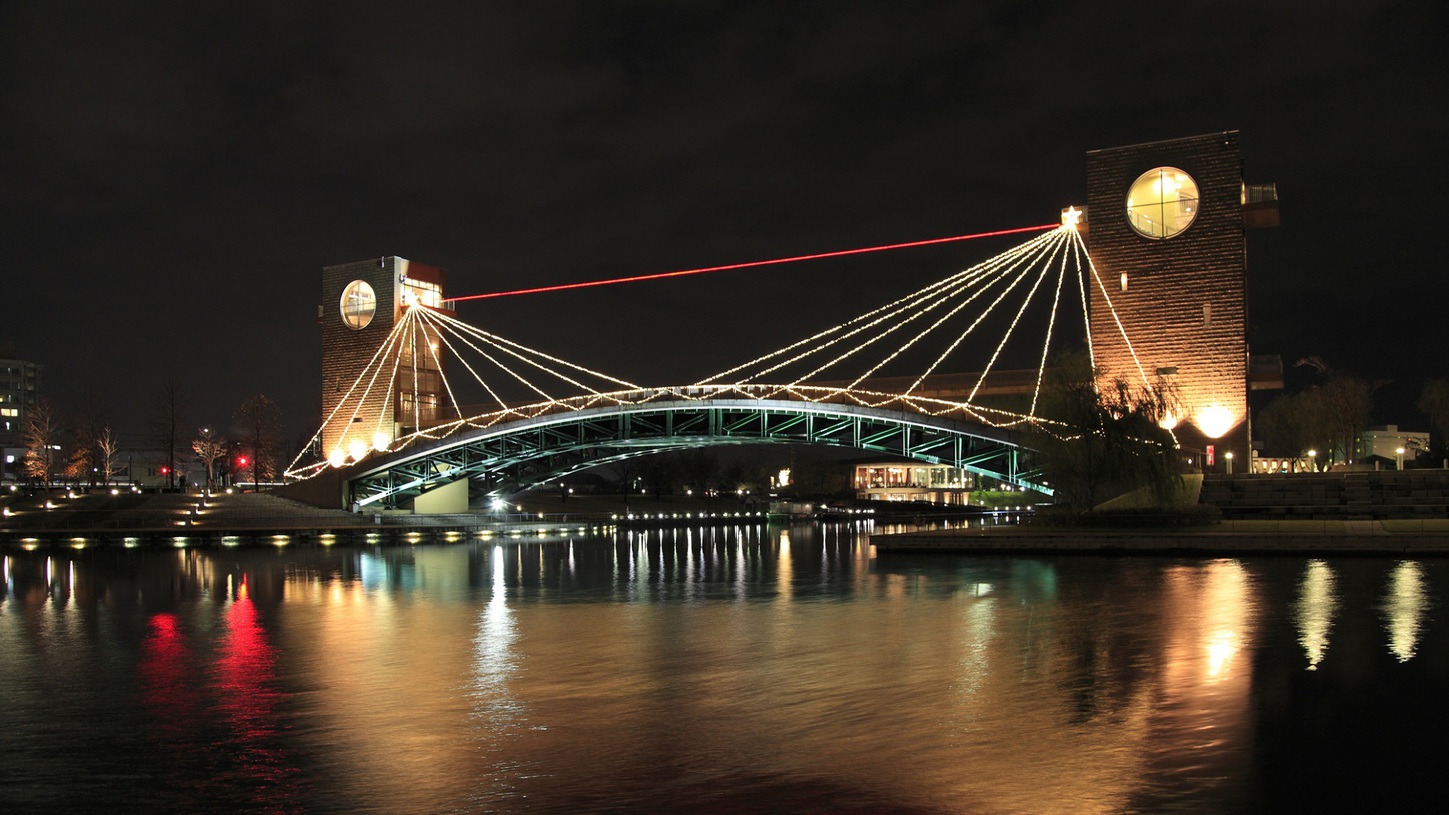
column 241, row 461
column 165, row 470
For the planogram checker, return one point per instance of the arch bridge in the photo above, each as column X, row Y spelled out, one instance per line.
column 528, row 446
column 876, row 382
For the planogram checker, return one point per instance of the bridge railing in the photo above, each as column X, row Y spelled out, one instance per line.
column 816, row 394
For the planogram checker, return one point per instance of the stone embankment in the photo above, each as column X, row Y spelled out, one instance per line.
column 1364, row 495
column 1233, row 537
column 1377, row 512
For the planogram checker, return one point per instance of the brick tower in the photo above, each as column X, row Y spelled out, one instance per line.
column 1166, row 236
column 361, row 304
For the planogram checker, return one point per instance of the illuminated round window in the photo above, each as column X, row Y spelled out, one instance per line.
column 1162, row 203
column 359, row 303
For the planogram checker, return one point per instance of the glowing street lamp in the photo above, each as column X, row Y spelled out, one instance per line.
column 1399, row 458
column 1229, row 457
column 1313, row 460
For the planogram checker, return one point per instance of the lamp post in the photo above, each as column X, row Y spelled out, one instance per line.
column 1313, row 460
column 1399, row 458
column 1228, row 456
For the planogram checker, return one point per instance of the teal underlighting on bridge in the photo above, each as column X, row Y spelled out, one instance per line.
column 525, row 452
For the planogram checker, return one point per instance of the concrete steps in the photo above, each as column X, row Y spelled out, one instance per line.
column 1345, row 496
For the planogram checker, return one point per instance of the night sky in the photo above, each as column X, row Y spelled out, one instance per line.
column 173, row 175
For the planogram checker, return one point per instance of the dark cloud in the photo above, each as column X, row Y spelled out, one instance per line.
column 175, row 174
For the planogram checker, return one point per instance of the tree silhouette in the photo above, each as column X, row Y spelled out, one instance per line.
column 261, row 423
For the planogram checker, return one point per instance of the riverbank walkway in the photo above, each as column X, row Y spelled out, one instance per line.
column 103, row 516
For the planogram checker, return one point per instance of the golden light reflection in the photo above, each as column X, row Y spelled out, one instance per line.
column 494, row 660
column 1317, row 603
column 1225, row 601
column 1403, row 608
column 978, row 628
column 786, row 572
column 1215, row 606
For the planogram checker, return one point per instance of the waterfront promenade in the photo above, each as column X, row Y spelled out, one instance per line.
column 62, row 517
column 125, row 517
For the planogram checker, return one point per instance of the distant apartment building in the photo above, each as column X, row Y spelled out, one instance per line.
column 1386, row 442
column 19, row 390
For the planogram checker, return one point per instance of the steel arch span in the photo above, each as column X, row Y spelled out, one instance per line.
column 533, row 450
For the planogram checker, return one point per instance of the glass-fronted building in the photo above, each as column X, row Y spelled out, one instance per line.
column 913, row 481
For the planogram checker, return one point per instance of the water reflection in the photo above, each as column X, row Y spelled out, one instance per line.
column 498, row 713
column 1404, row 605
column 785, row 575
column 249, row 698
column 1314, row 610
column 1201, row 716
column 1227, row 605
column 749, row 669
column 168, row 686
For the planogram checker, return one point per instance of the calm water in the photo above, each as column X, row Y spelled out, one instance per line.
column 732, row 670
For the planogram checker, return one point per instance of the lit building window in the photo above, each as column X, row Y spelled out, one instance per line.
column 1162, row 202
column 359, row 303
column 421, row 292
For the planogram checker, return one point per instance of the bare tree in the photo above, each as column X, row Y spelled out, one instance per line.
column 41, row 437
column 210, row 448
column 86, row 462
column 625, row 471
column 656, row 471
column 166, row 425
column 697, row 467
column 1434, row 401
column 107, row 447
column 261, row 424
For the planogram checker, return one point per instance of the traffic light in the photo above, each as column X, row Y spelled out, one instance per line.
column 241, row 461
column 165, row 470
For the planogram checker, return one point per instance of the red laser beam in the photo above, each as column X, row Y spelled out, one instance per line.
column 776, row 261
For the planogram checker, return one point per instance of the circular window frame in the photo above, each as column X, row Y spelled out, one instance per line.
column 1168, row 232
column 358, row 319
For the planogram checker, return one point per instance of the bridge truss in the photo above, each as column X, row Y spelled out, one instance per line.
column 522, row 452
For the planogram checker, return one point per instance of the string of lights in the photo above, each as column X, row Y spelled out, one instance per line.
column 529, row 355
column 383, row 352
column 1115, row 319
column 1023, row 261
column 1051, row 325
column 438, row 366
column 956, row 343
column 869, row 342
column 463, row 358
column 888, row 309
column 1006, row 270
column 528, row 383
column 985, row 273
column 1077, row 251
column 1011, row 329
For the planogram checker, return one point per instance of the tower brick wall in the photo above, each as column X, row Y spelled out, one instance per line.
column 360, row 416
column 1184, row 307
column 347, row 351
